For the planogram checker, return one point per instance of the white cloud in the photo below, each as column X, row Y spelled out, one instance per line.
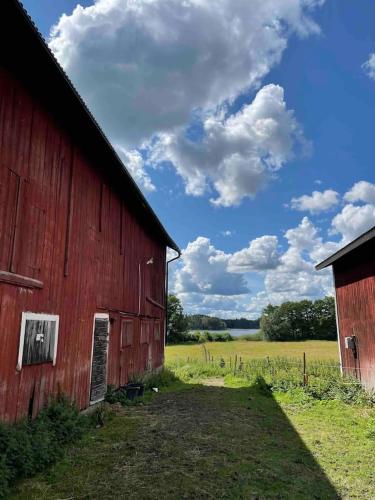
column 227, row 232
column 319, row 201
column 276, row 275
column 147, row 67
column 352, row 221
column 261, row 254
column 134, row 163
column 210, row 280
column 361, row 191
column 369, row 66
column 303, row 236
column 144, row 66
column 205, row 270
column 239, row 154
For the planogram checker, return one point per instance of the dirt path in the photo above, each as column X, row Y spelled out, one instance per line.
column 213, row 381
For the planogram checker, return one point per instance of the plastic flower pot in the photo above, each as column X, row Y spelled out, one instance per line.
column 134, row 390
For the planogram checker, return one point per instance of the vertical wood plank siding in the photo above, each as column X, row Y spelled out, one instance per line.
column 63, row 224
column 355, row 292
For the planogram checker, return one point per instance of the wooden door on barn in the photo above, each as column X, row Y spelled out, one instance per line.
column 99, row 358
column 127, row 349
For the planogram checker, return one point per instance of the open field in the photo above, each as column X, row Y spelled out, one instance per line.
column 314, row 349
column 225, row 438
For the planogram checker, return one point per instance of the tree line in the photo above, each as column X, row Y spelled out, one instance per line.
column 300, row 320
column 204, row 322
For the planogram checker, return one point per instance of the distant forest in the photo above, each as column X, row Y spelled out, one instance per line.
column 202, row 322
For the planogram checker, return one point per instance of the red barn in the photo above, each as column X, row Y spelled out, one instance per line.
column 82, row 254
column 354, row 278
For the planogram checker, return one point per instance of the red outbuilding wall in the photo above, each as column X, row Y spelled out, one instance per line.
column 355, row 295
column 72, row 245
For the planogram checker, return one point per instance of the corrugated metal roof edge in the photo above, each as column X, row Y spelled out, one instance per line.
column 106, row 142
column 363, row 238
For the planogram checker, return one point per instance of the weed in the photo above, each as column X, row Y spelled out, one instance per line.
column 29, row 446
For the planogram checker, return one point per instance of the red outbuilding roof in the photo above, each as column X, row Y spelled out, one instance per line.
column 367, row 236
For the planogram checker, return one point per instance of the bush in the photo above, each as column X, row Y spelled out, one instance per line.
column 29, row 446
column 251, row 337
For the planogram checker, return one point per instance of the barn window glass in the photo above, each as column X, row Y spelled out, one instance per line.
column 38, row 339
column 127, row 332
column 157, row 330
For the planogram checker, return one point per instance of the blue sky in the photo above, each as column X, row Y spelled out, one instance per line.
column 221, row 148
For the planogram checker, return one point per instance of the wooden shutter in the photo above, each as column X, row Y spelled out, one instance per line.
column 127, row 333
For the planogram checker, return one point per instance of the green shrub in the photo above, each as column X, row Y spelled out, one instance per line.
column 251, row 337
column 163, row 378
column 29, row 446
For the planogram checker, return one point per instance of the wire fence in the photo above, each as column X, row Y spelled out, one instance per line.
column 307, row 367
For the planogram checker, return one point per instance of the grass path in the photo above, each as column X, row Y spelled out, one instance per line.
column 315, row 349
column 219, row 442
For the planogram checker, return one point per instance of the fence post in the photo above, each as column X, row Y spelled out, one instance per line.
column 235, row 364
column 304, row 370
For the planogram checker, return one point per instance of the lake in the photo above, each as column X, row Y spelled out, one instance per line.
column 235, row 332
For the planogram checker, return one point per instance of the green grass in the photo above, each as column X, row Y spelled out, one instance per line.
column 314, row 349
column 230, row 437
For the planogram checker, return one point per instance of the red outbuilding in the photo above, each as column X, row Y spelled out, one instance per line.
column 82, row 254
column 354, row 278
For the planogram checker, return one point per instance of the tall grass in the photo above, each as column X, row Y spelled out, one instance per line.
column 323, row 379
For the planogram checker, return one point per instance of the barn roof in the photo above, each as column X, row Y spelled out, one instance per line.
column 27, row 54
column 368, row 235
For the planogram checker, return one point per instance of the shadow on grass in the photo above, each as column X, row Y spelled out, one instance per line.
column 193, row 442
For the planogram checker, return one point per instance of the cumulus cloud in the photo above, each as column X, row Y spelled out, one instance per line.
column 135, row 165
column 238, row 154
column 369, row 66
column 353, row 220
column 146, row 68
column 277, row 272
column 261, row 254
column 211, row 280
column 361, row 191
column 302, row 237
column 318, row 201
column 205, row 270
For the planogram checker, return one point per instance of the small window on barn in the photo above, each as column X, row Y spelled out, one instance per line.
column 157, row 330
column 38, row 339
column 127, row 331
column 144, row 332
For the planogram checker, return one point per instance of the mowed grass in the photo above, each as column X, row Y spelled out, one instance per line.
column 232, row 441
column 314, row 349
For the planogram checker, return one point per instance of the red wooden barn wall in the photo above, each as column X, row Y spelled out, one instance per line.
column 62, row 223
column 355, row 294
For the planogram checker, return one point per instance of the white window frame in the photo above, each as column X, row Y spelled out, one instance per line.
column 38, row 317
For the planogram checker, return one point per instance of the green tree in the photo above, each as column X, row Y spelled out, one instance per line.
column 176, row 321
column 300, row 320
column 325, row 319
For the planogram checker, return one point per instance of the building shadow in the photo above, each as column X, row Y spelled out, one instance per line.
column 195, row 442
column 241, row 443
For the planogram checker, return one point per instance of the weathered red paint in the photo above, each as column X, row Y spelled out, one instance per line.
column 72, row 244
column 355, row 295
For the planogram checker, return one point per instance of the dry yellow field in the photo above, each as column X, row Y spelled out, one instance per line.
column 314, row 349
